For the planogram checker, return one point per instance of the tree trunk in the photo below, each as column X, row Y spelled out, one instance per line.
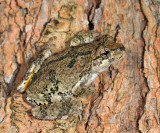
column 130, row 90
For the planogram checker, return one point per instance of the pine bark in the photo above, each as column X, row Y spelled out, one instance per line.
column 130, row 90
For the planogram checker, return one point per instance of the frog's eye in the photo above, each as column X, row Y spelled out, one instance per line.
column 104, row 52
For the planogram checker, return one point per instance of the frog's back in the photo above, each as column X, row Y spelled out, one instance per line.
column 63, row 70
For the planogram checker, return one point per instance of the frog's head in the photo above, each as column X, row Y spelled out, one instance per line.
column 107, row 54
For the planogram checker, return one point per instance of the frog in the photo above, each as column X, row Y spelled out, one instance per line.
column 56, row 84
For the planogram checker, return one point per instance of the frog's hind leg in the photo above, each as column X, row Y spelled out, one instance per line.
column 83, row 37
column 35, row 66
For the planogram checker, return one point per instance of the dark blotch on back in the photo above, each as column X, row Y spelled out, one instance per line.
column 56, row 22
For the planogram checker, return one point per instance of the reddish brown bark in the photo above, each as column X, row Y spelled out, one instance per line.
column 130, row 97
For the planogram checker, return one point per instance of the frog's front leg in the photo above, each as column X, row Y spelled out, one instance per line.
column 35, row 66
column 84, row 91
column 83, row 88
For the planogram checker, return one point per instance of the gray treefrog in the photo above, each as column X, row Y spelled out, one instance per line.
column 60, row 81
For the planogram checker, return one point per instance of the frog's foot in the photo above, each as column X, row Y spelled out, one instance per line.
column 35, row 66
column 106, row 37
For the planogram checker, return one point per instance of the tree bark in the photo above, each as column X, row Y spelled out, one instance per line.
column 130, row 90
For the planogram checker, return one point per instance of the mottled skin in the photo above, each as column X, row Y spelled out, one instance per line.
column 63, row 78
